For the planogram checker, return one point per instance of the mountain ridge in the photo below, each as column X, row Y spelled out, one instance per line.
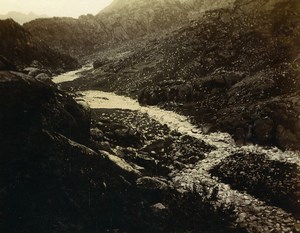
column 119, row 22
column 18, row 46
column 22, row 18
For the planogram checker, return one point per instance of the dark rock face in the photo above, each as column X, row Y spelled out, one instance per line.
column 18, row 46
column 33, row 105
column 34, row 153
column 49, row 182
column 6, row 64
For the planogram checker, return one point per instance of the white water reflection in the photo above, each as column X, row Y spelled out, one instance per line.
column 107, row 100
column 222, row 141
column 72, row 75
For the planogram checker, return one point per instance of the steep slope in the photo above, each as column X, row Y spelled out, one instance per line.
column 236, row 69
column 18, row 46
column 119, row 22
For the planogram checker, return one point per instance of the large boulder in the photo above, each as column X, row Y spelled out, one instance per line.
column 30, row 105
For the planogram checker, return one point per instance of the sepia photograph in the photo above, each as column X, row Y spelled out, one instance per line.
column 149, row 116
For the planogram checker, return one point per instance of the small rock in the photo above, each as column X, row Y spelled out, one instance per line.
column 242, row 217
column 158, row 207
column 151, row 183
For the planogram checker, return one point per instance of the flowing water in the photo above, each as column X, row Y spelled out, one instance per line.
column 72, row 75
column 197, row 177
column 222, row 141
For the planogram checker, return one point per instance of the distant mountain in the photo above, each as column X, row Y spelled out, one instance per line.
column 22, row 18
column 123, row 20
column 18, row 46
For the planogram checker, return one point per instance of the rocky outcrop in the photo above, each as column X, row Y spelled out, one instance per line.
column 49, row 181
column 33, row 105
column 20, row 48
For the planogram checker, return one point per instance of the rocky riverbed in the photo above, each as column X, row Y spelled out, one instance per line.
column 107, row 164
column 255, row 189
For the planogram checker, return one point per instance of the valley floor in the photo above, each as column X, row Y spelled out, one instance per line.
column 249, row 187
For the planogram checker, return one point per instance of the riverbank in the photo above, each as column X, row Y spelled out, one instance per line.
column 189, row 165
column 209, row 165
column 195, row 170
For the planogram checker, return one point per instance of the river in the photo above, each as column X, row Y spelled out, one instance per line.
column 197, row 177
column 223, row 141
column 72, row 75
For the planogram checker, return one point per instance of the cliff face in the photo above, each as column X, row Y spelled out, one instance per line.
column 18, row 46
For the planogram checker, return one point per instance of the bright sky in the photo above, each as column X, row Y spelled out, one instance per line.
column 73, row 8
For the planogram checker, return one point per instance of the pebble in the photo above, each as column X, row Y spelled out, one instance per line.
column 248, row 202
column 242, row 217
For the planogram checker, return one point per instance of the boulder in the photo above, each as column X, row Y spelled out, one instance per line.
column 97, row 134
column 120, row 163
column 285, row 138
column 32, row 71
column 31, row 105
column 44, row 78
column 263, row 131
column 151, row 183
column 36, row 64
column 128, row 137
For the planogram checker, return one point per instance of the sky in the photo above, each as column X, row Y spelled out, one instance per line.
column 72, row 8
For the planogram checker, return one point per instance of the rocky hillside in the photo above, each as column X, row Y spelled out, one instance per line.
column 119, row 22
column 234, row 69
column 21, row 49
